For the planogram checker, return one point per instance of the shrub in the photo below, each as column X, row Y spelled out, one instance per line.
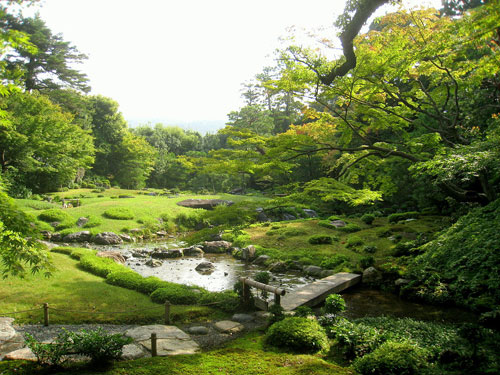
column 368, row 218
column 188, row 220
column 227, row 301
column 319, row 239
column 334, row 304
column 394, row 218
column 298, row 334
column 277, row 314
column 403, row 248
column 334, row 261
column 94, row 221
column 54, row 214
column 303, row 311
column 176, row 294
column 49, row 354
column 354, row 241
column 119, row 213
column 392, row 358
column 383, row 232
column 334, row 217
column 355, row 340
column 125, row 278
column 326, row 224
column 100, row 346
column 350, row 228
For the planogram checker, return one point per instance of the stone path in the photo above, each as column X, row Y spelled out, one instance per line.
column 171, row 340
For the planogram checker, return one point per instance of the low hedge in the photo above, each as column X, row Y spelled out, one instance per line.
column 132, row 280
column 320, row 239
column 74, row 252
column 177, row 294
column 100, row 266
column 54, row 214
column 350, row 228
column 118, row 213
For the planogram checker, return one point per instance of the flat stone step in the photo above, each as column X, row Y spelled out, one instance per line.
column 316, row 292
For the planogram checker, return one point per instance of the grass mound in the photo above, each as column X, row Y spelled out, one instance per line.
column 118, row 213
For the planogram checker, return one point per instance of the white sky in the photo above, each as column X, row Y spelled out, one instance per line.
column 179, row 61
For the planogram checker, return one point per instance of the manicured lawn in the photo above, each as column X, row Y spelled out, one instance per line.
column 70, row 288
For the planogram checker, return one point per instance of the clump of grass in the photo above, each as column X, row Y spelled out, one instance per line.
column 54, row 214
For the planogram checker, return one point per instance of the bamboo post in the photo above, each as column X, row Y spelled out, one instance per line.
column 277, row 299
column 167, row 312
column 153, row 345
column 46, row 314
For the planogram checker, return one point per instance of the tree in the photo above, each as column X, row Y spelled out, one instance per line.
column 48, row 66
column 40, row 147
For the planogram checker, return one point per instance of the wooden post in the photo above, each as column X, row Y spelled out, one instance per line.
column 167, row 312
column 153, row 345
column 46, row 314
column 246, row 292
column 277, row 299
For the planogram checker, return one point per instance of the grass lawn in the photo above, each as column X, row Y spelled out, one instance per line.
column 246, row 355
column 289, row 240
column 146, row 209
column 70, row 288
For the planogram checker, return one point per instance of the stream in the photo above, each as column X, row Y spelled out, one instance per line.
column 360, row 301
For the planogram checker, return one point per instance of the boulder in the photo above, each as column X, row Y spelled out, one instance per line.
column 161, row 233
column 10, row 340
column 82, row 221
column 310, row 213
column 400, row 282
column 153, row 263
column 371, row 276
column 229, row 327
column 248, row 253
column 314, row 271
column 133, row 351
column 167, row 254
column 338, row 223
column 115, row 255
column 107, row 238
column 56, row 237
column 286, row 216
column 126, row 238
column 207, row 204
column 278, row 267
column 171, row 340
column 193, row 251
column 261, row 260
column 198, row 330
column 295, row 265
column 82, row 236
column 216, row 247
column 46, row 235
column 242, row 318
column 205, row 267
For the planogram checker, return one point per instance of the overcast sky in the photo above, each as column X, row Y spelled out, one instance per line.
column 180, row 61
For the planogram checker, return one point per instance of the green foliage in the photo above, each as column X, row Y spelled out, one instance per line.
column 334, row 304
column 119, row 213
column 326, row 224
column 368, row 218
column 303, row 311
column 50, row 354
column 370, row 249
column 394, row 218
column 334, row 261
column 188, row 220
column 319, row 239
column 228, row 301
column 176, row 294
column 54, row 214
column 277, row 314
column 366, row 262
column 354, row 241
column 393, row 358
column 298, row 334
column 350, row 228
column 94, row 221
column 100, row 346
column 462, row 264
column 99, row 266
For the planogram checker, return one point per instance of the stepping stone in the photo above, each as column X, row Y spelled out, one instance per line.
column 10, row 340
column 134, row 351
column 229, row 327
column 199, row 330
column 170, row 339
column 21, row 354
column 242, row 318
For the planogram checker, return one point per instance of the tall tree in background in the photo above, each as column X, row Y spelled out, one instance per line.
column 49, row 66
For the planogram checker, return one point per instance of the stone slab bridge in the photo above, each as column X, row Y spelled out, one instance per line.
column 316, row 292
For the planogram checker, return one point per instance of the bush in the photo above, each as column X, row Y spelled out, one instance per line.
column 319, row 239
column 334, row 304
column 334, row 261
column 176, row 294
column 383, row 232
column 303, row 311
column 394, row 218
column 366, row 262
column 54, row 214
column 354, row 241
column 119, row 213
column 188, row 220
column 350, row 228
column 49, row 354
column 355, row 340
column 94, row 221
column 228, row 301
column 334, row 217
column 326, row 224
column 370, row 249
column 298, row 334
column 368, row 218
column 125, row 278
column 392, row 358
column 277, row 314
column 100, row 346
